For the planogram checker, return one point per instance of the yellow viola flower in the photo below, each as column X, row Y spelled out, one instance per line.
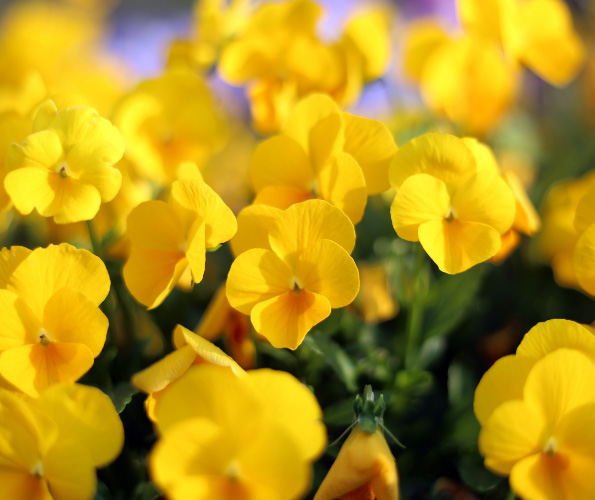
column 158, row 121
column 505, row 380
column 544, row 438
column 167, row 239
column 219, row 319
column 470, row 81
column 327, row 154
column 375, row 296
column 50, row 447
column 191, row 349
column 559, row 235
column 423, row 37
column 51, row 326
column 65, row 168
column 291, row 287
column 206, row 452
column 365, row 467
column 536, row 33
column 455, row 208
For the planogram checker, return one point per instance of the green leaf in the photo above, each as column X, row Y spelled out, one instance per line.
column 102, row 492
column 335, row 357
column 122, row 394
column 461, row 385
column 476, row 476
column 449, row 300
column 145, row 491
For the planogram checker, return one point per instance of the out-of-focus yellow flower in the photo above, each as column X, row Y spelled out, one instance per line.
column 65, row 168
column 50, row 447
column 470, row 82
column 365, row 468
column 221, row 319
column 454, row 207
column 558, row 236
column 291, row 285
column 168, row 121
column 168, row 238
column 191, row 349
column 423, row 38
column 51, row 326
column 543, row 437
column 215, row 22
column 206, row 452
column 325, row 154
column 584, row 251
column 375, row 297
column 537, row 33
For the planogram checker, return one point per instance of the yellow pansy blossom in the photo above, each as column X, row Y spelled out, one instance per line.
column 168, row 238
column 325, row 154
column 266, row 454
column 446, row 201
column 50, row 447
column 159, row 123
column 52, row 328
column 536, row 33
column 65, row 168
column 544, row 437
column 191, row 349
column 292, row 286
column 375, row 296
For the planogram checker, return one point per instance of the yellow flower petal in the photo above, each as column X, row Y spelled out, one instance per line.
column 486, row 199
column 254, row 224
column 281, row 197
column 196, row 249
column 441, row 155
column 342, row 183
column 70, row 317
column 270, row 155
column 155, row 225
column 456, row 246
column 40, row 150
column 150, row 275
column 199, row 198
column 301, row 225
column 326, row 140
column 46, row 270
column 306, row 115
column 10, row 258
column 295, row 406
column 87, row 414
column 286, row 319
column 484, row 156
column 327, row 269
column 254, row 276
column 422, row 39
column 18, row 324
column 526, row 218
column 420, row 198
column 513, row 431
column 161, row 373
column 548, row 336
column 585, row 210
column 504, row 381
column 33, row 368
column 373, row 147
column 560, row 382
column 69, row 471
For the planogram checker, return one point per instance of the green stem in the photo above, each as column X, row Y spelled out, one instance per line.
column 95, row 244
column 414, row 328
column 511, row 495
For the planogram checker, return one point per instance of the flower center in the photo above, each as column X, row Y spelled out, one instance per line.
column 450, row 214
column 551, row 446
column 37, row 470
column 63, row 170
column 44, row 338
column 295, row 285
column 233, row 471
